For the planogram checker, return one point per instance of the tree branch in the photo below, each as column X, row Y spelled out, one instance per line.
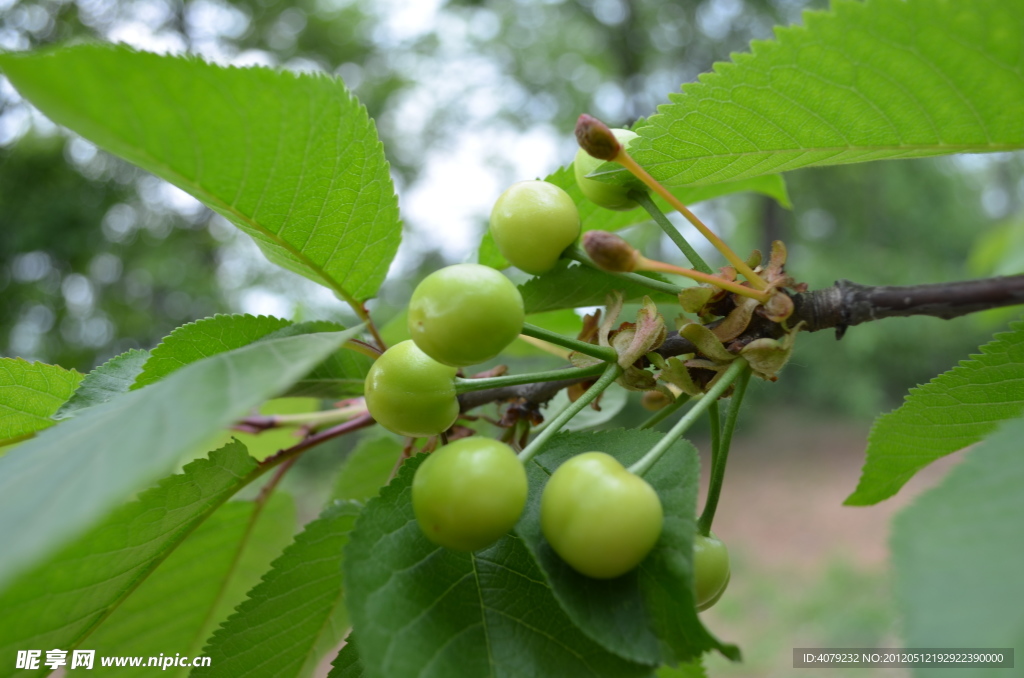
column 843, row 305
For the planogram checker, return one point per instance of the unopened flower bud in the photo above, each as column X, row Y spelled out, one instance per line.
column 610, row 252
column 596, row 138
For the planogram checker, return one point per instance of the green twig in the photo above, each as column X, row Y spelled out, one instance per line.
column 645, row 200
column 611, row 373
column 716, row 431
column 721, row 386
column 467, row 385
column 719, row 459
column 579, row 255
column 604, row 353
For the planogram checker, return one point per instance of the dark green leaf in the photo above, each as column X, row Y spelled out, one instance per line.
column 30, row 393
column 57, row 485
column 864, row 81
column 425, row 611
column 182, row 602
column 60, row 602
column 107, row 381
column 296, row 614
column 647, row 615
column 957, row 554
column 292, row 160
column 571, row 286
column 367, row 469
column 347, row 663
column 954, row 410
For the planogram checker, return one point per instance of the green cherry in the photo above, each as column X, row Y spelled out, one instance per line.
column 469, row 493
column 604, row 195
column 532, row 223
column 711, row 572
column 600, row 518
column 410, row 393
column 465, row 314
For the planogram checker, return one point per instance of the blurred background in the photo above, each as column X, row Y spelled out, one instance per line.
column 97, row 257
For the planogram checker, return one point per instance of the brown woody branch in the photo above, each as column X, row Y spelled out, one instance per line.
column 841, row 306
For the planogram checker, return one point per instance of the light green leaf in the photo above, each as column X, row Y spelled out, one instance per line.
column 954, row 410
column 367, row 469
column 573, row 286
column 292, row 160
column 107, row 381
column 57, row 485
column 488, row 253
column 694, row 669
column 957, row 554
column 182, row 602
column 30, row 393
column 296, row 614
column 202, row 339
column 864, row 81
column 62, row 601
column 647, row 615
column 422, row 610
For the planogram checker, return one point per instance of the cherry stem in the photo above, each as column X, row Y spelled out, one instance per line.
column 579, row 255
column 624, row 159
column 662, row 267
column 720, row 455
column 362, row 347
column 260, row 423
column 604, row 353
column 665, row 412
column 467, row 385
column 611, row 373
column 734, row 370
column 645, row 201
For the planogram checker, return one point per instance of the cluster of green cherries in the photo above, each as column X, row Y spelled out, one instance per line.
column 600, row 518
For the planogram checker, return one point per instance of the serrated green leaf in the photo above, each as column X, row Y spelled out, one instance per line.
column 183, row 601
column 293, row 160
column 107, row 381
column 30, row 393
column 572, row 286
column 864, row 81
column 957, row 553
column 292, row 617
column 60, row 602
column 647, row 615
column 425, row 611
column 488, row 254
column 57, row 485
column 367, row 469
column 595, row 218
column 347, row 664
column 204, row 338
column 954, row 410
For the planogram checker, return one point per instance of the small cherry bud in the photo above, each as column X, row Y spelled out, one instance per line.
column 610, row 252
column 596, row 138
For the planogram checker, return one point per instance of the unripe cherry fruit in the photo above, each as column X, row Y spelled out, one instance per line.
column 465, row 314
column 532, row 223
column 605, row 195
column 600, row 518
column 469, row 493
column 410, row 393
column 711, row 571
